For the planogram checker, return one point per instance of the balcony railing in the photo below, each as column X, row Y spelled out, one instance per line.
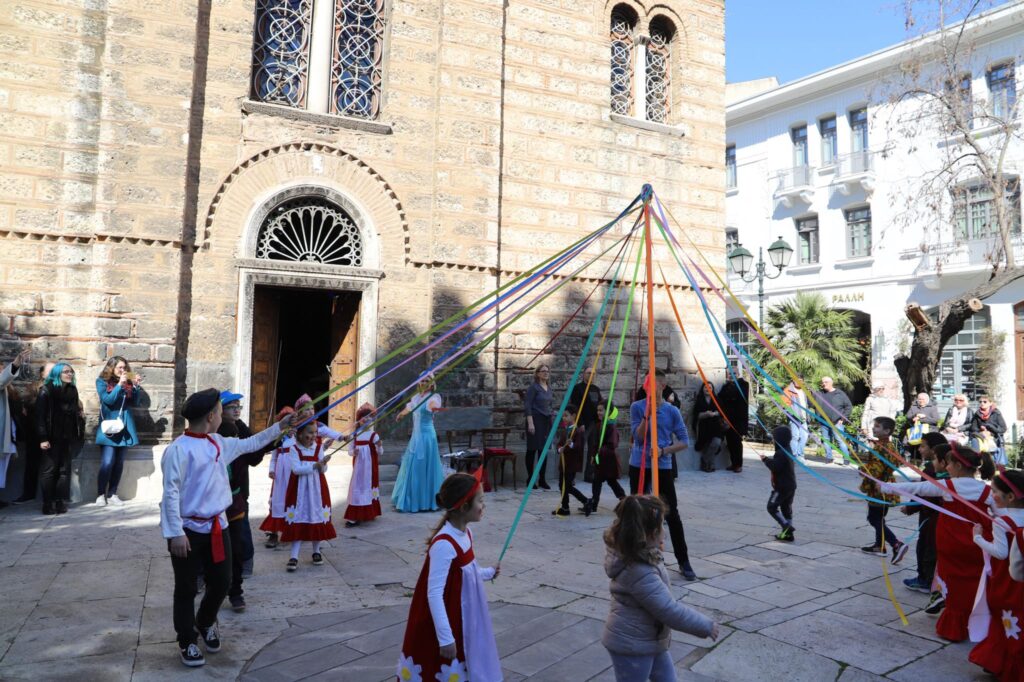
column 795, row 183
column 960, row 256
column 855, row 170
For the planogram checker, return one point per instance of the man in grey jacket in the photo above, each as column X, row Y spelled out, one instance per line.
column 837, row 407
column 7, row 447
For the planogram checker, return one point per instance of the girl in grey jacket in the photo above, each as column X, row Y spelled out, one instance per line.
column 643, row 613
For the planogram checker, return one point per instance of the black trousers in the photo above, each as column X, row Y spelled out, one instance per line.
column 56, row 472
column 236, row 529
column 531, row 457
column 600, row 480
column 876, row 517
column 218, row 580
column 780, row 506
column 926, row 551
column 734, row 443
column 667, row 493
column 567, row 483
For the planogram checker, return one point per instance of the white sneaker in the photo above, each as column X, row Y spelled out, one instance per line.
column 115, row 500
column 101, row 501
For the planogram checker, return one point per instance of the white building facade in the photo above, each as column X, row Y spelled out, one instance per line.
column 820, row 163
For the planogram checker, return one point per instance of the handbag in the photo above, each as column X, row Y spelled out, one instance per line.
column 916, row 433
column 986, row 443
column 113, row 427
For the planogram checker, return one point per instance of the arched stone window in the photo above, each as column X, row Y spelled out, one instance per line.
column 623, row 26
column 325, row 56
column 659, row 69
column 310, row 230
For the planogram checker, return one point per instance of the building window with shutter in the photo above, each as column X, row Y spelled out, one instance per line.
column 1002, row 88
column 858, row 232
column 807, row 240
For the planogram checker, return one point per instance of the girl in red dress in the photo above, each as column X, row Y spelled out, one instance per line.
column 959, row 563
column 1001, row 652
column 364, row 486
column 449, row 635
column 307, row 503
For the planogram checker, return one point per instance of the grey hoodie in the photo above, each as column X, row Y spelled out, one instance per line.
column 643, row 612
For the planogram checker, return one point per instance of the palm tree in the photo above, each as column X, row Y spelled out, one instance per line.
column 815, row 340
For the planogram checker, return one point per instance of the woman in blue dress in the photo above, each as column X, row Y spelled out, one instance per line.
column 420, row 476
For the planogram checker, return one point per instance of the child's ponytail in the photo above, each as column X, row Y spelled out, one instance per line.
column 987, row 468
column 1011, row 482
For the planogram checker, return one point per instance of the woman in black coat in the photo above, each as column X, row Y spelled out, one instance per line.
column 988, row 420
column 708, row 429
column 59, row 426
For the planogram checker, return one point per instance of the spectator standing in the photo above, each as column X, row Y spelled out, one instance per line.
column 796, row 401
column 588, row 413
column 957, row 423
column 734, row 399
column 837, row 407
column 119, row 390
column 708, row 428
column 23, row 412
column 8, row 449
column 877, row 405
column 58, row 423
column 537, row 407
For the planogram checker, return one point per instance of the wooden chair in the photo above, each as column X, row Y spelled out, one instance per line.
column 496, row 454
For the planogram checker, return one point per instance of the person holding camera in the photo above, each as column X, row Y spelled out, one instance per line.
column 119, row 390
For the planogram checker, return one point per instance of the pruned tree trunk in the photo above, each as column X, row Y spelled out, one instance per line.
column 917, row 371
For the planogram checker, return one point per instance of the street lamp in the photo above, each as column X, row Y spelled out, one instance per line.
column 742, row 260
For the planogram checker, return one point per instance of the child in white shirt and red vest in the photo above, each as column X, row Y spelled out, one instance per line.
column 196, row 493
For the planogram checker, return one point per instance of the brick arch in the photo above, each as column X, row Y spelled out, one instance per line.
column 250, row 184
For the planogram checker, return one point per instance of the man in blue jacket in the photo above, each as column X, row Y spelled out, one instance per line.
column 672, row 437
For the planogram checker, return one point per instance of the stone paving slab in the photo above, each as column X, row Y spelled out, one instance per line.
column 87, row 595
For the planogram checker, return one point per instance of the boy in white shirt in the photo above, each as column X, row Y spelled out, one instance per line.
column 196, row 493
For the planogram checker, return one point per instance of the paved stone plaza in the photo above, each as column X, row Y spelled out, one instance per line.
column 87, row 595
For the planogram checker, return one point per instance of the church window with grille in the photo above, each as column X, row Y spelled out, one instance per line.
column 622, row 29
column 659, row 61
column 641, row 66
column 324, row 56
column 310, row 230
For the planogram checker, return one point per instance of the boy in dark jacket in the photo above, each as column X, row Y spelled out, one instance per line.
column 933, row 450
column 572, row 444
column 780, row 503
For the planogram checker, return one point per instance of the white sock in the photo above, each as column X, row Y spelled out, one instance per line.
column 296, row 546
column 316, row 547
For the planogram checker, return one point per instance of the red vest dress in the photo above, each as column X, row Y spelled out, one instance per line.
column 307, row 505
column 420, row 649
column 959, row 563
column 364, row 486
column 1002, row 651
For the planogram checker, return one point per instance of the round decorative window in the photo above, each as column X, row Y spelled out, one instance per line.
column 310, row 230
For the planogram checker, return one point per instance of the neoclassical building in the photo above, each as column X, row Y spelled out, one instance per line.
column 270, row 195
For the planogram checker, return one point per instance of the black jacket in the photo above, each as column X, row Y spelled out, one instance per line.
column 588, row 409
column 929, row 414
column 734, row 401
column 780, row 464
column 995, row 424
column 836, row 403
column 57, row 413
column 238, row 470
column 708, row 428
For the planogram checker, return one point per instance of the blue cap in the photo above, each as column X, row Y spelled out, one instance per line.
column 229, row 397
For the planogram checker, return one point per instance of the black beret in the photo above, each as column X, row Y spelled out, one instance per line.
column 200, row 404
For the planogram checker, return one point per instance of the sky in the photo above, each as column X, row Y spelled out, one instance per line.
column 790, row 39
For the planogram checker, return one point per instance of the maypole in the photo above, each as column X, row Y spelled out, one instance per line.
column 652, row 399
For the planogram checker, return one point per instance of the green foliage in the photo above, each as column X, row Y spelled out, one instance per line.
column 852, row 427
column 815, row 339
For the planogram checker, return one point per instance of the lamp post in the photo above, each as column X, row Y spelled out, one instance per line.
column 742, row 260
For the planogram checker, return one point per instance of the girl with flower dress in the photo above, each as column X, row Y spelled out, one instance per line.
column 364, row 486
column 959, row 562
column 449, row 635
column 420, row 476
column 1001, row 652
column 280, row 471
column 307, row 503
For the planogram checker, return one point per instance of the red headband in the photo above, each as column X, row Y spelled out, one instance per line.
column 1006, row 479
column 956, row 453
column 472, row 491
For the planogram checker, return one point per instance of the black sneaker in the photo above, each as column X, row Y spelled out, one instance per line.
column 60, row 507
column 192, row 656
column 272, row 541
column 237, row 603
column 899, row 550
column 935, row 604
column 544, row 484
column 561, row 512
column 210, row 638
column 687, row 572
column 351, row 524
column 292, row 565
column 873, row 549
column 318, row 559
